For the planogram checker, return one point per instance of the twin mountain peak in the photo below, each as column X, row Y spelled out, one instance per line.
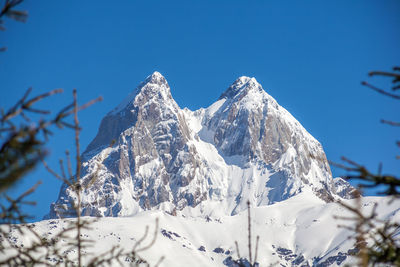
column 151, row 154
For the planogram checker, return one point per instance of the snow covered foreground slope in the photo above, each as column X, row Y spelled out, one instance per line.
column 299, row 231
column 243, row 147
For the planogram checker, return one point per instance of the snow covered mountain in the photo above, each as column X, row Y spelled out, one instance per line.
column 244, row 146
column 195, row 172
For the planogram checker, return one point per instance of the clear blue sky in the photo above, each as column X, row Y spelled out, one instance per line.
column 309, row 55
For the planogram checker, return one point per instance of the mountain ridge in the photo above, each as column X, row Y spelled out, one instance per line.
column 243, row 146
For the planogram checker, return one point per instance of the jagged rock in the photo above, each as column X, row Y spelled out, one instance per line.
column 298, row 260
column 344, row 189
column 219, row 250
column 242, row 262
column 283, row 251
column 150, row 154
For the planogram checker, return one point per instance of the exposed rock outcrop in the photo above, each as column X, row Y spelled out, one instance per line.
column 150, row 154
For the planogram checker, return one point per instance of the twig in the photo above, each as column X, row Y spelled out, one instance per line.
column 256, row 251
column 392, row 123
column 384, row 73
column 159, row 261
column 249, row 230
column 152, row 241
column 383, row 92
column 237, row 249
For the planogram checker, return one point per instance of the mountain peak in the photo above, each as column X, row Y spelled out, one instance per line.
column 156, row 78
column 244, row 146
column 152, row 85
column 151, row 100
column 240, row 85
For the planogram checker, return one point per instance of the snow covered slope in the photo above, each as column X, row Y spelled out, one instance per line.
column 299, row 231
column 196, row 170
column 244, row 146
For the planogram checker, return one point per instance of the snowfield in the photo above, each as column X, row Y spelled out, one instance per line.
column 299, row 231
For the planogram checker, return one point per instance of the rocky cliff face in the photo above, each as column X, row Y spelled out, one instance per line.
column 244, row 146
